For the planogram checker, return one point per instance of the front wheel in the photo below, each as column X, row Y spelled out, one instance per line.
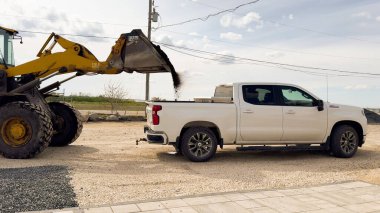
column 199, row 144
column 26, row 130
column 344, row 141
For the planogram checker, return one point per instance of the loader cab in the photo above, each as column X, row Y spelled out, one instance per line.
column 6, row 47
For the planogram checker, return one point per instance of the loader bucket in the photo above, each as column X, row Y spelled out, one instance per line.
column 141, row 55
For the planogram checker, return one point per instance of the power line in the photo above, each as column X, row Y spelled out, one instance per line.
column 68, row 34
column 212, row 39
column 279, row 67
column 217, row 40
column 205, row 18
column 276, row 49
column 270, row 62
column 293, row 26
column 221, row 55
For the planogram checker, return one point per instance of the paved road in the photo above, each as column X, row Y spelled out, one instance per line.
column 343, row 197
column 35, row 188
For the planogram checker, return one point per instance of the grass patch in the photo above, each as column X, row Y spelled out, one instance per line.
column 99, row 103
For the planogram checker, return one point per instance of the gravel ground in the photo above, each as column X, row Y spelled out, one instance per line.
column 35, row 188
column 107, row 167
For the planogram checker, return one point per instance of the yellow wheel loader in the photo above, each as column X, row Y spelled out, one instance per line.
column 28, row 123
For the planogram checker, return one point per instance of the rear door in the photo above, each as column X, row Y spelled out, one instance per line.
column 302, row 120
column 260, row 114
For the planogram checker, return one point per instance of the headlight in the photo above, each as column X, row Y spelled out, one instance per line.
column 363, row 112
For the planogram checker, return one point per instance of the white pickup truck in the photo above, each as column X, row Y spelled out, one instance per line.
column 261, row 115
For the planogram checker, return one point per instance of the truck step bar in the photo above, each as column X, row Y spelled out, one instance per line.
column 281, row 148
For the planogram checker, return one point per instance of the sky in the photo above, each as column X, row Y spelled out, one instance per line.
column 334, row 34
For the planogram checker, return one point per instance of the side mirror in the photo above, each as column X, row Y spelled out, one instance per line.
column 320, row 105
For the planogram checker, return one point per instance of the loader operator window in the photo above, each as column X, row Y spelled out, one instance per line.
column 6, row 48
column 258, row 94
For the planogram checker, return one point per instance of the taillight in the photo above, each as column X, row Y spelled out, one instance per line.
column 155, row 117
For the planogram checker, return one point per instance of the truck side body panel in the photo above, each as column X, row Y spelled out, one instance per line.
column 175, row 116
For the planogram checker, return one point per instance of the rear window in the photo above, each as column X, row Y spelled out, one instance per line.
column 258, row 94
column 224, row 91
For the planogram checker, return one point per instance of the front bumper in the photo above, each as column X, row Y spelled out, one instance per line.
column 154, row 137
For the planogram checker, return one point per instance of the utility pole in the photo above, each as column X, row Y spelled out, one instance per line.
column 149, row 37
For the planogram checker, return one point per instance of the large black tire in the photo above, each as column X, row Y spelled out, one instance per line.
column 69, row 125
column 344, row 141
column 26, row 130
column 199, row 144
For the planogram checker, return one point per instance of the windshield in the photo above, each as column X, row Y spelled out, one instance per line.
column 6, row 49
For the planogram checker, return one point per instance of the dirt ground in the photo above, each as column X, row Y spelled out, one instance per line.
column 106, row 166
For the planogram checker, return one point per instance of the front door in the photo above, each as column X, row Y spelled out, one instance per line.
column 302, row 120
column 260, row 115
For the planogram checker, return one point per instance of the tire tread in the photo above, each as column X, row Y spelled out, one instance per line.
column 79, row 122
column 47, row 130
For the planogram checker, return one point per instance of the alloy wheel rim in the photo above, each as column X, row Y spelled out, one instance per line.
column 200, row 144
column 348, row 142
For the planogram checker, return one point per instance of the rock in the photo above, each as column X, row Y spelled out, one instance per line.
column 94, row 117
column 112, row 118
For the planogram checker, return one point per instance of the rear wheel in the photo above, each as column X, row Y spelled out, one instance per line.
column 344, row 141
column 68, row 125
column 26, row 130
column 199, row 144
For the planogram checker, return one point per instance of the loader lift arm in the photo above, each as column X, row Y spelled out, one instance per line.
column 132, row 52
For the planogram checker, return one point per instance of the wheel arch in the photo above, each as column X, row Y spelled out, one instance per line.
column 357, row 126
column 207, row 124
column 8, row 98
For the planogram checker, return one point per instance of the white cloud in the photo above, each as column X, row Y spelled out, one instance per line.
column 363, row 14
column 225, row 57
column 231, row 36
column 378, row 18
column 205, row 39
column 240, row 21
column 275, row 54
column 166, row 39
column 193, row 74
column 194, row 34
column 291, row 16
column 206, row 43
column 356, row 87
column 180, row 43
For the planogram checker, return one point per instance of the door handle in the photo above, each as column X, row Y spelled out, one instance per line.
column 248, row 111
column 291, row 112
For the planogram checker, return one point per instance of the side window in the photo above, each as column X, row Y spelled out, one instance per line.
column 295, row 97
column 258, row 95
